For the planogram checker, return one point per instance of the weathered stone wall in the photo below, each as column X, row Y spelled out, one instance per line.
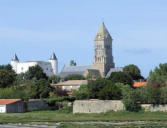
column 97, row 106
column 154, row 108
column 102, row 106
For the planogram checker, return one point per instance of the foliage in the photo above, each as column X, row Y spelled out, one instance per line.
column 20, row 79
column 7, row 67
column 145, row 95
column 110, row 92
column 82, row 93
column 38, row 89
column 74, row 77
column 35, row 73
column 6, row 78
column 94, row 87
column 73, row 63
column 121, row 77
column 12, row 93
column 55, row 79
column 104, row 89
column 158, row 77
column 131, row 99
column 52, row 101
column 163, row 95
column 133, row 71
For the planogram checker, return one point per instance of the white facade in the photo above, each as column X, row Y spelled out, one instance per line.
column 50, row 67
column 2, row 108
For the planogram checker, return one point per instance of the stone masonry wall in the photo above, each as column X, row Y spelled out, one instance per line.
column 102, row 106
column 97, row 106
column 154, row 108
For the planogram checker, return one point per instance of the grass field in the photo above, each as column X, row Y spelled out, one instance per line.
column 149, row 125
column 67, row 116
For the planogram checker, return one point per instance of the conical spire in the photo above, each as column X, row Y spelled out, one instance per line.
column 102, row 33
column 15, row 58
column 53, row 56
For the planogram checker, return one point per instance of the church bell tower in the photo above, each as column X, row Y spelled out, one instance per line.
column 103, row 58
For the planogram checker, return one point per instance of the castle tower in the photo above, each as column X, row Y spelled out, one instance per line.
column 14, row 62
column 103, row 58
column 54, row 62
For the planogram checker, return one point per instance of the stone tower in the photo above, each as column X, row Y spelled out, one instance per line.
column 103, row 58
column 54, row 62
column 14, row 62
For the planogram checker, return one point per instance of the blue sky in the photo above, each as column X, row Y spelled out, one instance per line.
column 35, row 28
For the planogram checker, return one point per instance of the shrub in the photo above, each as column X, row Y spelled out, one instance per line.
column 131, row 99
column 82, row 93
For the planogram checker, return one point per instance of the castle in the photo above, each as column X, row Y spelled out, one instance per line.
column 103, row 64
column 50, row 67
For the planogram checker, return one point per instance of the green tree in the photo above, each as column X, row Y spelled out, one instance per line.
column 82, row 93
column 158, row 76
column 37, row 89
column 163, row 95
column 6, row 78
column 131, row 99
column 54, row 78
column 133, row 71
column 121, row 77
column 145, row 94
column 96, row 86
column 110, row 92
column 74, row 77
column 7, row 67
column 35, row 73
column 73, row 63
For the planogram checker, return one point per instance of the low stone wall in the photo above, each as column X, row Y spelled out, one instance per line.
column 154, row 108
column 102, row 106
column 97, row 106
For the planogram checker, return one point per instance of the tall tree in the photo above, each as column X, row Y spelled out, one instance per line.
column 35, row 73
column 158, row 76
column 121, row 77
column 6, row 78
column 133, row 71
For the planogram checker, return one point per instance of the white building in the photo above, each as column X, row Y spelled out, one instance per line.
column 50, row 67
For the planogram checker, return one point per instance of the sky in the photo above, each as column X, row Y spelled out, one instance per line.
column 33, row 29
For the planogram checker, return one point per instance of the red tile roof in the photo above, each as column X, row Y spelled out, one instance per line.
column 8, row 101
column 139, row 84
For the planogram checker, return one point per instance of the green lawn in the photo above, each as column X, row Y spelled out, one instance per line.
column 66, row 116
column 149, row 125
